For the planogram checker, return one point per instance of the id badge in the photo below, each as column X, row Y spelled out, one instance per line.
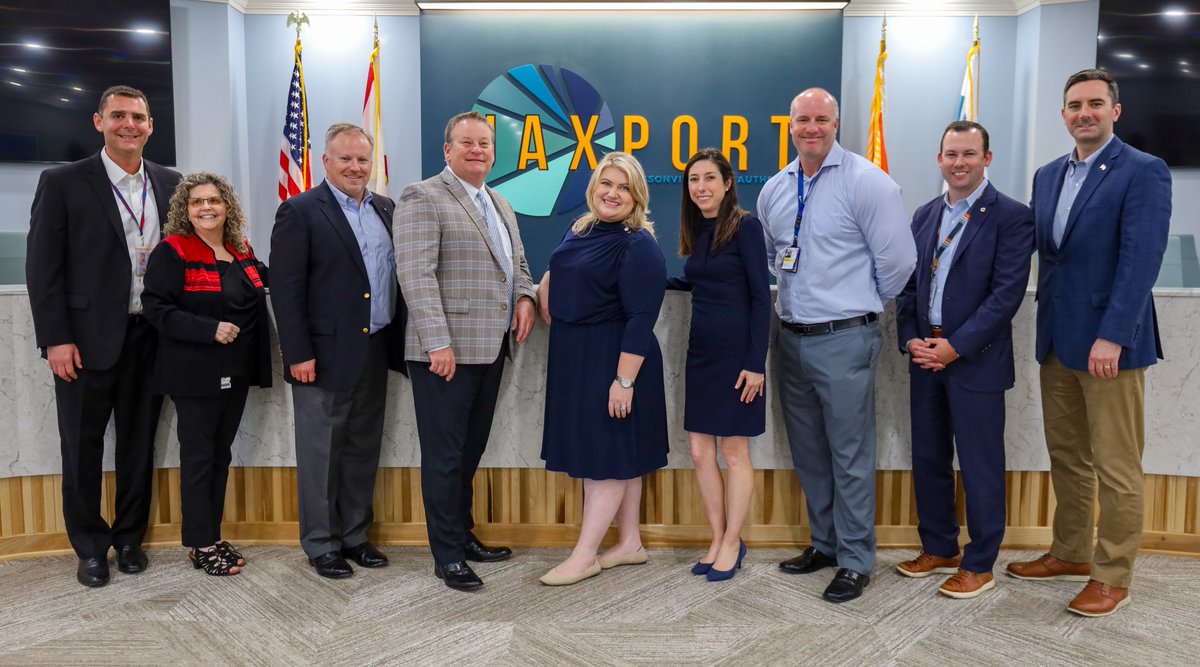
column 143, row 257
column 227, row 383
column 791, row 257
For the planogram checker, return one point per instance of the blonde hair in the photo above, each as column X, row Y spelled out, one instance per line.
column 638, row 218
column 235, row 220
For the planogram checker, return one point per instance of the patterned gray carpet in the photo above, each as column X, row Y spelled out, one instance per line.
column 278, row 612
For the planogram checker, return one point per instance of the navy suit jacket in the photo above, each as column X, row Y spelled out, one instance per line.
column 1097, row 283
column 77, row 264
column 984, row 288
column 320, row 291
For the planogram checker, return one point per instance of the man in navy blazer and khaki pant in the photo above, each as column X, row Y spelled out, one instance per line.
column 341, row 327
column 955, row 319
column 1102, row 214
column 91, row 230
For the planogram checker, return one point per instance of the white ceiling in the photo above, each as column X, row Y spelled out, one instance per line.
column 855, row 8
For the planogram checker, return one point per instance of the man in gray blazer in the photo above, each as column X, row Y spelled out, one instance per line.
column 463, row 274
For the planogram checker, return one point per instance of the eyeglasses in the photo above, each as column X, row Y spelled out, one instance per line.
column 197, row 202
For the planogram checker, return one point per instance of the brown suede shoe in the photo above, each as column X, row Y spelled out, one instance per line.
column 965, row 585
column 1098, row 599
column 924, row 565
column 1048, row 567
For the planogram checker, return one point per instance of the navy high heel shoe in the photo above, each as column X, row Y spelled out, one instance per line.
column 701, row 568
column 721, row 575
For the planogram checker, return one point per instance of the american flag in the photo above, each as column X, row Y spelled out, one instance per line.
column 295, row 173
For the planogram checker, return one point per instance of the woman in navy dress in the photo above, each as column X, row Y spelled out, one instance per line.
column 605, row 406
column 726, row 271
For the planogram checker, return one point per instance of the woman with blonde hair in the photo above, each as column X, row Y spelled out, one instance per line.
column 605, row 406
column 205, row 295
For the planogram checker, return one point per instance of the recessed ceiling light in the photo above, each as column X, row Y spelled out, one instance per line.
column 64, row 99
column 77, row 89
column 144, row 31
column 1143, row 66
column 1175, row 13
column 14, row 83
column 1124, row 56
column 19, row 69
column 33, row 45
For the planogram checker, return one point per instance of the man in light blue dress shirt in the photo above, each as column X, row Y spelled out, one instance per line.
column 837, row 264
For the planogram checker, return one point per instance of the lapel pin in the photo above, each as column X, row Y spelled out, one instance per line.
column 1103, row 167
column 983, row 209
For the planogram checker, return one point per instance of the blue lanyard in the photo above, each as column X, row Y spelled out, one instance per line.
column 800, row 200
column 145, row 190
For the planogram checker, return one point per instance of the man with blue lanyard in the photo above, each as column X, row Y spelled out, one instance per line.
column 91, row 230
column 955, row 320
column 839, row 244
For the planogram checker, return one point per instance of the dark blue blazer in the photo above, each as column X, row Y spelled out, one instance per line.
column 986, row 285
column 320, row 292
column 1097, row 283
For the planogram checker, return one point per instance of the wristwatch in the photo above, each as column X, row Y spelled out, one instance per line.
column 625, row 382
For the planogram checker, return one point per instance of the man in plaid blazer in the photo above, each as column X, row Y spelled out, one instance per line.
column 462, row 271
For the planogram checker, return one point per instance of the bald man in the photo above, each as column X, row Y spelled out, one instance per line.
column 839, row 243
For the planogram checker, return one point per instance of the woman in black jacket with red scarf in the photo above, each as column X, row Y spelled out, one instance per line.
column 204, row 292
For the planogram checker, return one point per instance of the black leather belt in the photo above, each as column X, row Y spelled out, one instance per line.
column 935, row 330
column 829, row 327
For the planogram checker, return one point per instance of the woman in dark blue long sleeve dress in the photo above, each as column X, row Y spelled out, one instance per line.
column 605, row 407
column 726, row 271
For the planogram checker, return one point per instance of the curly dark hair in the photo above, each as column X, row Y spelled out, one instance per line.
column 235, row 220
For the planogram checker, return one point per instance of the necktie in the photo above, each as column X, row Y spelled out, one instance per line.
column 494, row 228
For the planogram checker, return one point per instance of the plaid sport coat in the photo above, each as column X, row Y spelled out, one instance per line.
column 450, row 273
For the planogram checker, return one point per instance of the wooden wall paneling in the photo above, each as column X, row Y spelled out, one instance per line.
column 529, row 506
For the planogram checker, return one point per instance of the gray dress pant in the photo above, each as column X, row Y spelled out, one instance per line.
column 338, row 435
column 827, row 392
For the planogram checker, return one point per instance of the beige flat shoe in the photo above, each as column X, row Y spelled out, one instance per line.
column 556, row 578
column 638, row 557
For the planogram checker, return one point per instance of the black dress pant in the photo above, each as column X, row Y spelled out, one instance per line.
column 453, row 421
column 84, row 408
column 207, row 427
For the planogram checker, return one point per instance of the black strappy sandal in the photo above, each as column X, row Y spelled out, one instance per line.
column 230, row 554
column 212, row 563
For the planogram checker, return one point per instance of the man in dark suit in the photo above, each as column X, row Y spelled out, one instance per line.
column 955, row 318
column 341, row 327
column 91, row 230
column 1103, row 213
column 467, row 284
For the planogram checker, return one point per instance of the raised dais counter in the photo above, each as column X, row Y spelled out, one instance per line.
column 28, row 417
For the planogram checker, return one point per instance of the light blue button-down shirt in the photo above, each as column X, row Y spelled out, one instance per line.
column 377, row 252
column 1077, row 171
column 856, row 247
column 950, row 216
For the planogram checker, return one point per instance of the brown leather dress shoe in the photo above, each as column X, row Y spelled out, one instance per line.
column 965, row 585
column 1098, row 599
column 1048, row 567
column 925, row 564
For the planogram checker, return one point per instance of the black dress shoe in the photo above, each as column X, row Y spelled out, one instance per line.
column 92, row 572
column 131, row 559
column 365, row 555
column 476, row 551
column 846, row 585
column 810, row 560
column 458, row 576
column 331, row 565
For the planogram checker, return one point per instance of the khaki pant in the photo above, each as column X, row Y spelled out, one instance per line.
column 1095, row 432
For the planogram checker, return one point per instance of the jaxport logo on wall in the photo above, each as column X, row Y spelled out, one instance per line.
column 552, row 126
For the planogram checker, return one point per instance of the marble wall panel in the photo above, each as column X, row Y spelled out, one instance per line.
column 27, row 414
